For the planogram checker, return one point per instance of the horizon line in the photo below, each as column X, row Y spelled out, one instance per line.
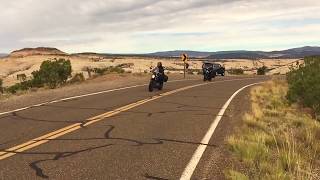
column 159, row 51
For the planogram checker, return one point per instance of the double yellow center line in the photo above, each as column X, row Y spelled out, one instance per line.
column 60, row 132
column 53, row 135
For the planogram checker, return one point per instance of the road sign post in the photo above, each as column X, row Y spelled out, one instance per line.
column 184, row 70
column 184, row 58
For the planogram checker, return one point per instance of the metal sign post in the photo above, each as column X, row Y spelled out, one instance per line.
column 184, row 58
column 184, row 70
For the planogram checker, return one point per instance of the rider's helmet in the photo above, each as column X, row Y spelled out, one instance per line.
column 159, row 64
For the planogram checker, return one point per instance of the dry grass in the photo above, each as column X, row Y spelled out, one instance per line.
column 277, row 141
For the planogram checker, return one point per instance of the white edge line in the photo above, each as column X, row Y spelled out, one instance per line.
column 84, row 95
column 188, row 171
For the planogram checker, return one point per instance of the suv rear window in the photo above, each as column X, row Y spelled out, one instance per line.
column 217, row 65
column 208, row 65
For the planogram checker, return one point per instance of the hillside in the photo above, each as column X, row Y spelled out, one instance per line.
column 297, row 52
column 238, row 55
column 36, row 51
column 289, row 53
column 194, row 54
column 285, row 54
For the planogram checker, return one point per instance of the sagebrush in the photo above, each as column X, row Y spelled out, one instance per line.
column 262, row 70
column 236, row 71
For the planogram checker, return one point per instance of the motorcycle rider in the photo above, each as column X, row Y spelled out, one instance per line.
column 159, row 70
column 158, row 77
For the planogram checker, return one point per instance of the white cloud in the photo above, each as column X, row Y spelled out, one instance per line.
column 154, row 25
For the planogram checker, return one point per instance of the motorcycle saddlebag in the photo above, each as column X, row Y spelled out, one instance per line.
column 165, row 78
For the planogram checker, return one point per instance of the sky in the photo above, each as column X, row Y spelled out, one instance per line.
column 143, row 26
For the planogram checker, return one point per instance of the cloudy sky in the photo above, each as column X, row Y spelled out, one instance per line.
column 139, row 26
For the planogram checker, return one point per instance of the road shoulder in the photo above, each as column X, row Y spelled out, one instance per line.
column 217, row 158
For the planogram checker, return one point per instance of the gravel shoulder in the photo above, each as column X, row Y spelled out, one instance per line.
column 107, row 82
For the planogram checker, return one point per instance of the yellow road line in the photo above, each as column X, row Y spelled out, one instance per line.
column 53, row 135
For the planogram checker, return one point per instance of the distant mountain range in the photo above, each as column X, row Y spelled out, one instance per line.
column 177, row 53
column 289, row 53
column 3, row 55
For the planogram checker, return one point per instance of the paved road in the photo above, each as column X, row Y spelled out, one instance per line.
column 135, row 136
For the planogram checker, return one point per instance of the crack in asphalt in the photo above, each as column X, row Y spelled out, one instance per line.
column 60, row 155
column 107, row 136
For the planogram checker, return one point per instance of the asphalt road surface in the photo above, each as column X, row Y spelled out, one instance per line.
column 125, row 134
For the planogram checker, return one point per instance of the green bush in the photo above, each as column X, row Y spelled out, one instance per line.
column 262, row 70
column 112, row 69
column 13, row 89
column 52, row 73
column 100, row 71
column 304, row 84
column 116, row 69
column 236, row 71
column 22, row 86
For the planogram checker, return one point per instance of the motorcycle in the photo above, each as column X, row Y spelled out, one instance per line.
column 157, row 80
column 208, row 74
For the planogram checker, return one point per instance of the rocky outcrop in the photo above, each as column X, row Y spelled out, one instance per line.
column 37, row 51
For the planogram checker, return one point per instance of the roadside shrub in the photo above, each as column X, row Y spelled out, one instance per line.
column 111, row 69
column 126, row 65
column 52, row 73
column 304, row 84
column 13, row 89
column 262, row 70
column 1, row 86
column 100, row 71
column 236, row 71
column 22, row 86
column 79, row 77
column 116, row 69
